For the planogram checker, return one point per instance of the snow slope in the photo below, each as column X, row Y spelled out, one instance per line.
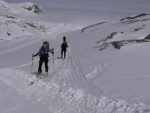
column 16, row 21
column 106, row 69
column 122, row 47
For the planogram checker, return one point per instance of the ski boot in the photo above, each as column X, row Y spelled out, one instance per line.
column 46, row 74
column 39, row 74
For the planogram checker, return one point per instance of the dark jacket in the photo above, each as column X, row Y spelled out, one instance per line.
column 64, row 46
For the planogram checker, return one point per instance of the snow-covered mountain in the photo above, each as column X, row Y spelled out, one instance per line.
column 21, row 19
column 29, row 7
column 106, row 69
column 21, row 7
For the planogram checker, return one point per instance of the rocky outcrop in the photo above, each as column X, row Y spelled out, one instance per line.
column 108, row 37
column 94, row 25
column 36, row 9
column 10, row 16
column 104, row 43
column 35, row 25
column 118, row 44
column 134, row 17
column 148, row 36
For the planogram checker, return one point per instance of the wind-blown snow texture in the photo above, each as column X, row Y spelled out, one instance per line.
column 106, row 69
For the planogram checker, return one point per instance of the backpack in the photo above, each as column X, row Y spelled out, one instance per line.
column 44, row 52
column 64, row 45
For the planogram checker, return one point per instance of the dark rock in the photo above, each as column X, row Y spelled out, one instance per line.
column 94, row 25
column 31, row 25
column 138, row 29
column 9, row 34
column 9, row 16
column 35, row 7
column 133, row 17
column 117, row 44
column 111, row 35
column 148, row 36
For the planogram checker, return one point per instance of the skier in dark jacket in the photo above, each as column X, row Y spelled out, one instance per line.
column 43, row 54
column 64, row 46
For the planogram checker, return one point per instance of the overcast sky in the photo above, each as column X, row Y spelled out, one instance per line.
column 89, row 11
column 124, row 6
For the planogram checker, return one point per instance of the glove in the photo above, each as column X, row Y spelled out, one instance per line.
column 52, row 50
column 33, row 55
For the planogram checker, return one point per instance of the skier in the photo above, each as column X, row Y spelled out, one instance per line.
column 43, row 54
column 64, row 46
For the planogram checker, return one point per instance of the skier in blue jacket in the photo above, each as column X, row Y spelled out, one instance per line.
column 43, row 54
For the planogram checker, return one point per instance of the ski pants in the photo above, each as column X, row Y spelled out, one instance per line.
column 63, row 51
column 45, row 60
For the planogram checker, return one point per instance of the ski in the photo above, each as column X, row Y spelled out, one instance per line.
column 38, row 78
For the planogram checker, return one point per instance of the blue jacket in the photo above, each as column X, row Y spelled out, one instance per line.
column 43, row 53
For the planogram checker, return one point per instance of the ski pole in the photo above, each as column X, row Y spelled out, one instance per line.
column 32, row 64
column 68, row 53
column 53, row 63
column 53, row 59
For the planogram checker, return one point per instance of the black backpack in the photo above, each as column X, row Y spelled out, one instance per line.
column 44, row 52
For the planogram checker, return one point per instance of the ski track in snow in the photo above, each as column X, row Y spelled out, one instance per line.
column 79, row 76
column 66, row 90
column 65, row 85
column 43, row 93
column 70, row 86
column 23, row 65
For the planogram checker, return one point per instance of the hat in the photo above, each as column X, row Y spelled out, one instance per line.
column 64, row 38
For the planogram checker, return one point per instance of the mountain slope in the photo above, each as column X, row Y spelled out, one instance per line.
column 16, row 21
column 124, row 50
column 106, row 69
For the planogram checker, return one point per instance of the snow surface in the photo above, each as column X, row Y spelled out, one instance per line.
column 95, row 77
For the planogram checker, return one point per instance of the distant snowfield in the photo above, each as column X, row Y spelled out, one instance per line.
column 106, row 69
column 79, row 18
